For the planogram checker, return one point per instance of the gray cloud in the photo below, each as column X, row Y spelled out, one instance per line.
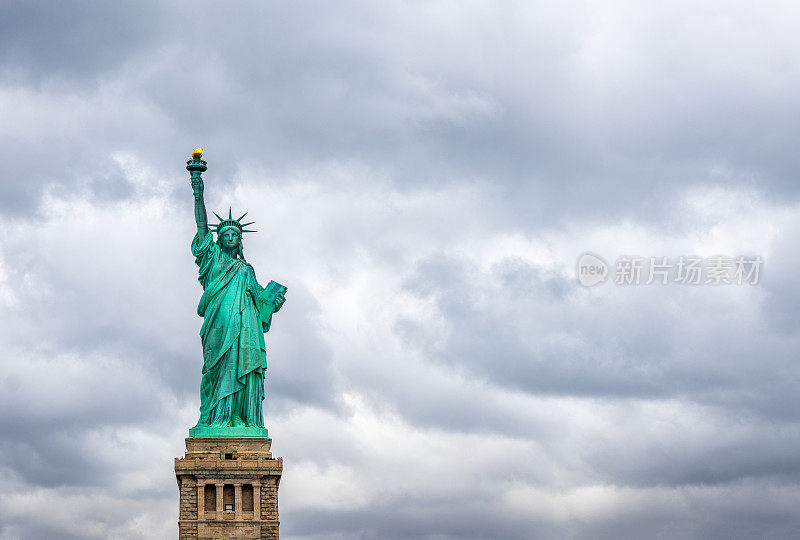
column 537, row 112
column 423, row 176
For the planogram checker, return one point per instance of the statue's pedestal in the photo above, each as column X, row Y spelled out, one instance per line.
column 228, row 488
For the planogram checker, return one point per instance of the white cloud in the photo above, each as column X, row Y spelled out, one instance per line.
column 423, row 178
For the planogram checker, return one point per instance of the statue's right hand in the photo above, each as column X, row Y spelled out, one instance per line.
column 197, row 187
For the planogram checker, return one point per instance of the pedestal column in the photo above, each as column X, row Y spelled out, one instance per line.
column 220, row 506
column 201, row 500
column 256, row 501
column 237, row 501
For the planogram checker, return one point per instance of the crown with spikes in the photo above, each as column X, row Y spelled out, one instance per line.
column 230, row 222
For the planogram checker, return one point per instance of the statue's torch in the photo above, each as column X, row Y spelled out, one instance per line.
column 196, row 167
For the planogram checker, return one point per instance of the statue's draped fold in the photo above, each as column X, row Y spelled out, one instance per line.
column 234, row 357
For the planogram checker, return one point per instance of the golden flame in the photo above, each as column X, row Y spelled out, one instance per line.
column 197, row 153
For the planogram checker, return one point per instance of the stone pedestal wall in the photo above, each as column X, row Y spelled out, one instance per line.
column 228, row 489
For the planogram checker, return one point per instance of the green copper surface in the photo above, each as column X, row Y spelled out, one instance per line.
column 215, row 432
column 236, row 312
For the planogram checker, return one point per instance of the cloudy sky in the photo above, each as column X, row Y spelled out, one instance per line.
column 424, row 176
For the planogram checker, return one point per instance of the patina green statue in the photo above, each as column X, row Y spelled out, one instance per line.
column 236, row 312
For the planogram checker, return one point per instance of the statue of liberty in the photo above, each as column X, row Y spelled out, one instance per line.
column 236, row 313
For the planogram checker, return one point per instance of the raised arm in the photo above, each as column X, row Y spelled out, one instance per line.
column 200, row 215
column 196, row 167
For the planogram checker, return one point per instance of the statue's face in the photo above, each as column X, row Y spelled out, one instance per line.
column 230, row 238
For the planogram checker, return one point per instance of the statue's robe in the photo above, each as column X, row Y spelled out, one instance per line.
column 236, row 313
